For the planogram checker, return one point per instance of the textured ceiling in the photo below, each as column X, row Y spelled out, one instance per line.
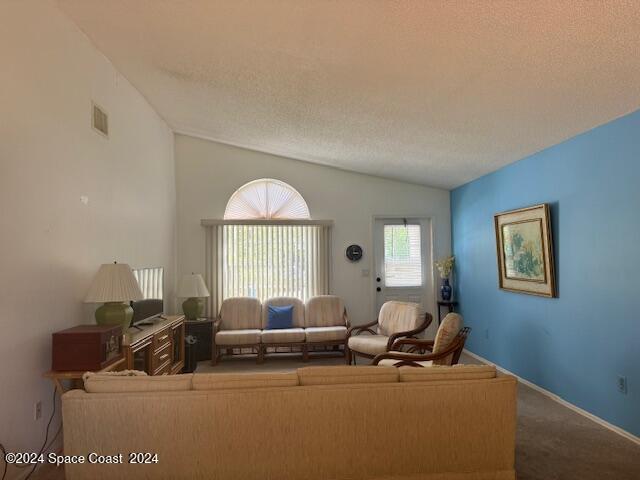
column 432, row 92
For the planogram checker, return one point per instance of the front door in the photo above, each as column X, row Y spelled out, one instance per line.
column 402, row 262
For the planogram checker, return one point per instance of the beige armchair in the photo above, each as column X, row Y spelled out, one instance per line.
column 396, row 320
column 444, row 350
column 238, row 325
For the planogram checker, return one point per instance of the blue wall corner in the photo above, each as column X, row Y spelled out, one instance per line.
column 575, row 345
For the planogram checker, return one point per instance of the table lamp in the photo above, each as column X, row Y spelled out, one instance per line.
column 113, row 285
column 193, row 288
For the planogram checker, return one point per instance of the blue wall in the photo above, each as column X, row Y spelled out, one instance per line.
column 575, row 345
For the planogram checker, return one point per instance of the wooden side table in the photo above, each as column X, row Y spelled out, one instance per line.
column 451, row 306
column 75, row 378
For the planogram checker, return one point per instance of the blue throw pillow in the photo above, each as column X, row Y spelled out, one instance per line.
column 280, row 317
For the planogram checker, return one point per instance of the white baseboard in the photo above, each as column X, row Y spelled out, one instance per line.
column 560, row 400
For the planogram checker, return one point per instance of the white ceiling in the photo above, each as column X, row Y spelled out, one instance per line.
column 432, row 92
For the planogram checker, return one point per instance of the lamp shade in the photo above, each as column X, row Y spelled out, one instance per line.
column 192, row 286
column 114, row 282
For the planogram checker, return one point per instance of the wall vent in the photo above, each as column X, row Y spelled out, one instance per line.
column 100, row 120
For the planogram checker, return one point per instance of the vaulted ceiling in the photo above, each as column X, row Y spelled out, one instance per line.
column 433, row 92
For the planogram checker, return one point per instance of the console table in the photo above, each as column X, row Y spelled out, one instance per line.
column 157, row 349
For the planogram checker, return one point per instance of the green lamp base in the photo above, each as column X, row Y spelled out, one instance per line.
column 192, row 308
column 115, row 313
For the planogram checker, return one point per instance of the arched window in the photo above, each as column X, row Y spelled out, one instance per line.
column 266, row 199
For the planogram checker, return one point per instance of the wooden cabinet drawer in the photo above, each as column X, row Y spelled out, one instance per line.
column 161, row 356
column 161, row 339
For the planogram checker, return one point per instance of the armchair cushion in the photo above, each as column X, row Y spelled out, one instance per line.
column 238, row 337
column 240, row 313
column 397, row 317
column 325, row 334
column 447, row 331
column 350, row 375
column 369, row 344
column 283, row 335
column 325, row 311
column 389, row 362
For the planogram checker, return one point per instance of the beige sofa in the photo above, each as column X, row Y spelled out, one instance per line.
column 242, row 326
column 454, row 423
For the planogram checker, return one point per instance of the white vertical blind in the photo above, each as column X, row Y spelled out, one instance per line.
column 265, row 261
column 402, row 256
column 151, row 281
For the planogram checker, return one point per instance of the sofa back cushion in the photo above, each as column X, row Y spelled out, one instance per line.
column 447, row 331
column 298, row 310
column 347, row 375
column 325, row 311
column 240, row 313
column 97, row 383
column 441, row 372
column 227, row 381
column 397, row 317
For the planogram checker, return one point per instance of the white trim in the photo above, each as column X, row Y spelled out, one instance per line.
column 561, row 401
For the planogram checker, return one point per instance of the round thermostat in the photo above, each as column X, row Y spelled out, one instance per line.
column 354, row 253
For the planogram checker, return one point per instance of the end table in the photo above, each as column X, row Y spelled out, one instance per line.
column 451, row 305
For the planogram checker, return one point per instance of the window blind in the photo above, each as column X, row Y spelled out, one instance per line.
column 151, row 281
column 402, row 256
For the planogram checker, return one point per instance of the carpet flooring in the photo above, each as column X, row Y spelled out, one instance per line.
column 553, row 442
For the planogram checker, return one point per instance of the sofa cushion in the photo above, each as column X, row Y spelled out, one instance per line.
column 447, row 331
column 388, row 362
column 325, row 334
column 347, row 375
column 370, row 344
column 240, row 313
column 279, row 317
column 298, row 310
column 238, row 337
column 325, row 311
column 397, row 317
column 98, row 383
column 442, row 372
column 226, row 381
column 283, row 335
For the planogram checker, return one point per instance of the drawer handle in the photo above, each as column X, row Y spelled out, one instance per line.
column 163, row 338
column 162, row 357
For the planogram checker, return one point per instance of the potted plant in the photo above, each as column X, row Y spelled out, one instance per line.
column 445, row 266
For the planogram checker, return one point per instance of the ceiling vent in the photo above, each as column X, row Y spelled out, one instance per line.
column 100, row 120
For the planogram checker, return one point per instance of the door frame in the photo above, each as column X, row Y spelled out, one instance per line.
column 430, row 296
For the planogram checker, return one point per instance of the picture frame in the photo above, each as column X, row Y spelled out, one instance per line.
column 524, row 246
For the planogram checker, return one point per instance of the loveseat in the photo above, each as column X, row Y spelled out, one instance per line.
column 343, row 422
column 241, row 326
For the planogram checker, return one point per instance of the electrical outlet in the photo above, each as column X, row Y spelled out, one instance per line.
column 622, row 384
column 37, row 410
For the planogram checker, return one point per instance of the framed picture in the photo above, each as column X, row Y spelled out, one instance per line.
column 525, row 251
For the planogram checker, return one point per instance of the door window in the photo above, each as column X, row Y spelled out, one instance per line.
column 402, row 256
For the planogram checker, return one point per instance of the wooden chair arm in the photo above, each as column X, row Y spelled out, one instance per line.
column 358, row 329
column 416, row 344
column 216, row 326
column 411, row 359
column 422, row 327
column 347, row 323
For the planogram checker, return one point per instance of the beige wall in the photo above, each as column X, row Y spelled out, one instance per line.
column 51, row 243
column 207, row 173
